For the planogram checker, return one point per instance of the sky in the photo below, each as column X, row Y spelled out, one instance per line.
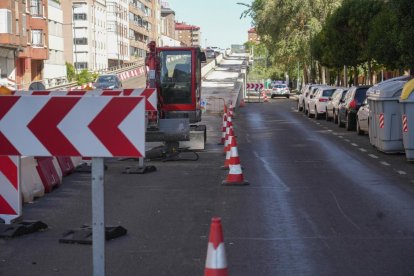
column 219, row 20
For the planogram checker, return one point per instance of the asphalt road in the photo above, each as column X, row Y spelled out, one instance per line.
column 321, row 201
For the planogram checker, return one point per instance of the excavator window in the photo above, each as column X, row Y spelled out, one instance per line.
column 176, row 77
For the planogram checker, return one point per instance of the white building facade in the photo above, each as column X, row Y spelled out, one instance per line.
column 89, row 35
column 54, row 71
column 117, row 32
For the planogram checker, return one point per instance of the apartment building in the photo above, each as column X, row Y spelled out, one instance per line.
column 54, row 72
column 117, row 32
column 23, row 40
column 252, row 35
column 85, row 34
column 168, row 35
column 189, row 35
column 144, row 16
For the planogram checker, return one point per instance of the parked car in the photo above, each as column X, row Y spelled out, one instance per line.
column 210, row 53
column 333, row 103
column 312, row 91
column 110, row 81
column 362, row 120
column 280, row 90
column 348, row 108
column 301, row 97
column 317, row 103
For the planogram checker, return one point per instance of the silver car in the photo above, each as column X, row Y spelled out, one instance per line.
column 332, row 105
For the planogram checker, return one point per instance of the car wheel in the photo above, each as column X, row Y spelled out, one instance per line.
column 272, row 96
column 340, row 123
column 309, row 114
column 303, row 107
column 349, row 125
column 326, row 115
column 358, row 128
column 317, row 116
column 335, row 119
column 299, row 108
column 287, row 96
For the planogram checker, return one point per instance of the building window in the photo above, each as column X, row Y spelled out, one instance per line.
column 37, row 38
column 81, row 65
column 79, row 16
column 36, row 8
column 80, row 41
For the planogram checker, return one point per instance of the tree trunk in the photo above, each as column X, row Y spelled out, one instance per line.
column 323, row 73
column 370, row 72
column 338, row 77
column 355, row 75
column 345, row 76
column 305, row 74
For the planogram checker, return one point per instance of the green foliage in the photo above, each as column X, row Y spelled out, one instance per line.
column 70, row 72
column 85, row 77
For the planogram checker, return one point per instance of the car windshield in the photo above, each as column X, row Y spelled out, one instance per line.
column 279, row 86
column 327, row 93
column 361, row 94
column 106, row 79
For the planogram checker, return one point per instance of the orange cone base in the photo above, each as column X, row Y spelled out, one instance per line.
column 225, row 167
column 216, row 272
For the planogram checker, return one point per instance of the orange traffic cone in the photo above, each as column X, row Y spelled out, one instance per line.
column 242, row 103
column 223, row 133
column 235, row 176
column 265, row 98
column 216, row 261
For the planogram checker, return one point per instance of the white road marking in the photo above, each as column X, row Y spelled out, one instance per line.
column 355, row 145
column 373, row 156
column 269, row 169
column 341, row 136
column 401, row 172
column 363, row 150
column 384, row 163
column 347, row 140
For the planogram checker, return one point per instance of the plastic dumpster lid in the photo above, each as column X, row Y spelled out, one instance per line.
column 407, row 90
column 388, row 89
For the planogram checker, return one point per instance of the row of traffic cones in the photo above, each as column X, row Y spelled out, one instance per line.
column 216, row 260
column 232, row 161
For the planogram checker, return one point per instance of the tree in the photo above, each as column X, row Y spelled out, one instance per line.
column 70, row 72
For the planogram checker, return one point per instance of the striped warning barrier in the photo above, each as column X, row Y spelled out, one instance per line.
column 381, row 120
column 404, row 123
column 48, row 173
column 31, row 184
column 10, row 199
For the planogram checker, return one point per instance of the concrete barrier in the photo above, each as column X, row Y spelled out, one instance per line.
column 31, row 184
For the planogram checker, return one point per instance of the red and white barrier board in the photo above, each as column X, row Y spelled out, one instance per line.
column 10, row 199
column 72, row 126
column 254, row 86
column 150, row 94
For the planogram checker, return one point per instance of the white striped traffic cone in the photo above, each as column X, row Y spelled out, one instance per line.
column 223, row 134
column 265, row 98
column 235, row 176
column 216, row 261
column 228, row 153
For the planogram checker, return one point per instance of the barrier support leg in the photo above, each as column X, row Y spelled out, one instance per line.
column 98, row 216
column 141, row 169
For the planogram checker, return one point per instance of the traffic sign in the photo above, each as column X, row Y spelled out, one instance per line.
column 101, row 126
column 255, row 86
